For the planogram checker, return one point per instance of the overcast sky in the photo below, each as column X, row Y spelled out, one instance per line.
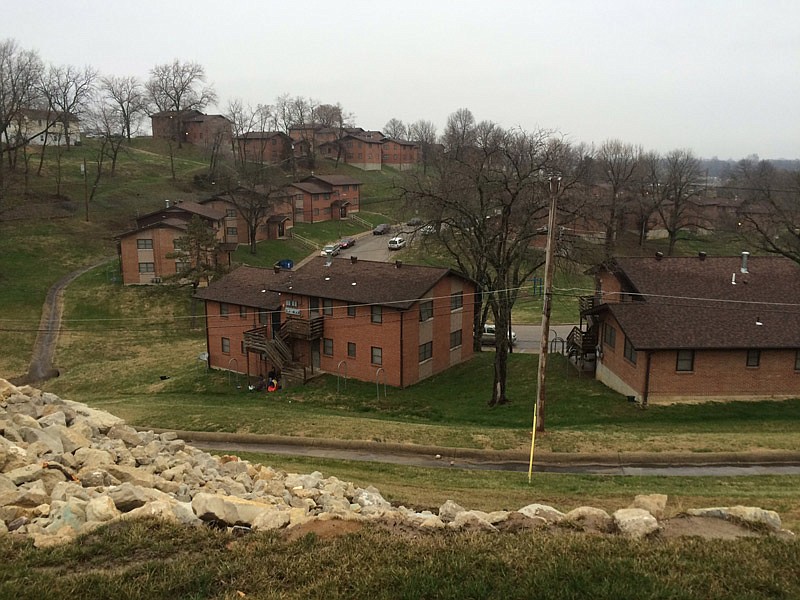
column 721, row 77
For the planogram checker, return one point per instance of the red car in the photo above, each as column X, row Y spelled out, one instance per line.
column 347, row 242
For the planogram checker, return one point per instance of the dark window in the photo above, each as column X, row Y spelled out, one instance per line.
column 262, row 318
column 685, row 360
column 243, row 312
column 630, row 351
column 144, row 244
column 425, row 351
column 426, row 310
column 377, row 314
column 351, row 310
column 231, row 231
column 456, row 300
column 327, row 346
column 753, row 358
column 226, row 345
column 797, row 361
column 147, row 268
column 376, row 355
column 230, row 213
column 609, row 335
column 327, row 307
column 224, row 309
column 351, row 349
column 455, row 339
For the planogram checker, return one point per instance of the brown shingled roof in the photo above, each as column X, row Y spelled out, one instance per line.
column 335, row 179
column 375, row 282
column 244, row 286
column 692, row 303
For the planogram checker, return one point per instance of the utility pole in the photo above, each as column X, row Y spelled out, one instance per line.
column 85, row 188
column 538, row 409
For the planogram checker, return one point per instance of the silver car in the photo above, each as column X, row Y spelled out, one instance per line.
column 488, row 337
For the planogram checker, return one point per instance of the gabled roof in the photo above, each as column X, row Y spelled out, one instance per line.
column 311, row 187
column 189, row 207
column 399, row 141
column 334, row 179
column 172, row 222
column 185, row 114
column 375, row 282
column 246, row 286
column 262, row 135
column 693, row 303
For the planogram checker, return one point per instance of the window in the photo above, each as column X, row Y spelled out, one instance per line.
column 262, row 317
column 230, row 213
column 231, row 231
column 456, row 301
column 685, row 360
column 797, row 361
column 425, row 351
column 426, row 310
column 351, row 310
column 455, row 339
column 327, row 307
column 224, row 310
column 226, row 345
column 147, row 268
column 377, row 314
column 630, row 351
column 351, row 349
column 376, row 355
column 609, row 335
column 144, row 244
column 243, row 312
column 753, row 358
column 327, row 346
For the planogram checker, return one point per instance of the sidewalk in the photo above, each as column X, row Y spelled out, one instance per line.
column 435, row 455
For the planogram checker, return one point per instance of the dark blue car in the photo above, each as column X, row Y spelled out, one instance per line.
column 286, row 264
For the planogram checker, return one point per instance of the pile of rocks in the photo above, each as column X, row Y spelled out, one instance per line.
column 66, row 468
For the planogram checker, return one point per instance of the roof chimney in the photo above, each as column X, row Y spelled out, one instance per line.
column 701, row 255
column 744, row 262
column 398, row 264
column 659, row 255
column 167, row 203
column 354, row 259
column 276, row 268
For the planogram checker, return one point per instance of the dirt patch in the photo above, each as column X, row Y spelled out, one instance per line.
column 322, row 529
column 708, row 528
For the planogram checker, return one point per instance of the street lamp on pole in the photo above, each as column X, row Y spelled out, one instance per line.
column 538, row 409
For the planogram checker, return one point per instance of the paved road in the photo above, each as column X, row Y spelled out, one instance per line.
column 754, row 466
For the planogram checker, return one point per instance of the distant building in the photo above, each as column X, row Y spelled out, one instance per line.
column 38, row 127
column 324, row 198
column 192, row 127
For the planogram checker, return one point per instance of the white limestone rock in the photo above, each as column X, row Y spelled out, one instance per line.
column 635, row 523
column 450, row 510
column 655, row 504
column 548, row 513
column 590, row 518
column 228, row 509
column 747, row 514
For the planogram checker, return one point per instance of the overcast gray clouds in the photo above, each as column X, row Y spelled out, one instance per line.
column 721, row 77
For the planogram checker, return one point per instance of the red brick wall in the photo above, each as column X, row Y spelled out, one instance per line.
column 272, row 151
column 232, row 327
column 163, row 243
column 717, row 374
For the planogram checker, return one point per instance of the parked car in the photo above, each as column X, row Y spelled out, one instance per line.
column 381, row 229
column 397, row 242
column 347, row 242
column 330, row 250
column 488, row 338
column 286, row 264
column 414, row 222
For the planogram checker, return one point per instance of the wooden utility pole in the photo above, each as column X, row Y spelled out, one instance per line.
column 85, row 188
column 538, row 409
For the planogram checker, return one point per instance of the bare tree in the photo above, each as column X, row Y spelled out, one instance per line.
column 488, row 197
column 423, row 133
column 179, row 87
column 647, row 198
column 256, row 205
column 617, row 164
column 396, row 129
column 130, row 97
column 679, row 191
column 69, row 91
column 770, row 206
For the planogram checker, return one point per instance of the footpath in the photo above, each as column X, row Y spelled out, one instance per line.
column 667, row 463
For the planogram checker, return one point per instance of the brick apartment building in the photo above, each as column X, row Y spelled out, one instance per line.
column 671, row 329
column 400, row 154
column 276, row 223
column 192, row 127
column 144, row 251
column 362, row 319
column 265, row 147
column 324, row 198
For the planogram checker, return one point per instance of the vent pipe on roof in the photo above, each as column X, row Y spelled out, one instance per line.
column 701, row 255
column 398, row 264
column 659, row 255
column 744, row 262
column 167, row 203
column 354, row 259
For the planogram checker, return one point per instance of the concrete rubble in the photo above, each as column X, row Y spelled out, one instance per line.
column 66, row 469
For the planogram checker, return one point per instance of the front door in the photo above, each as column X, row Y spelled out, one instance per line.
column 313, row 306
column 315, row 354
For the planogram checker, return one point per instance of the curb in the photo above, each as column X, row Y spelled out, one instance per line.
column 554, row 459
